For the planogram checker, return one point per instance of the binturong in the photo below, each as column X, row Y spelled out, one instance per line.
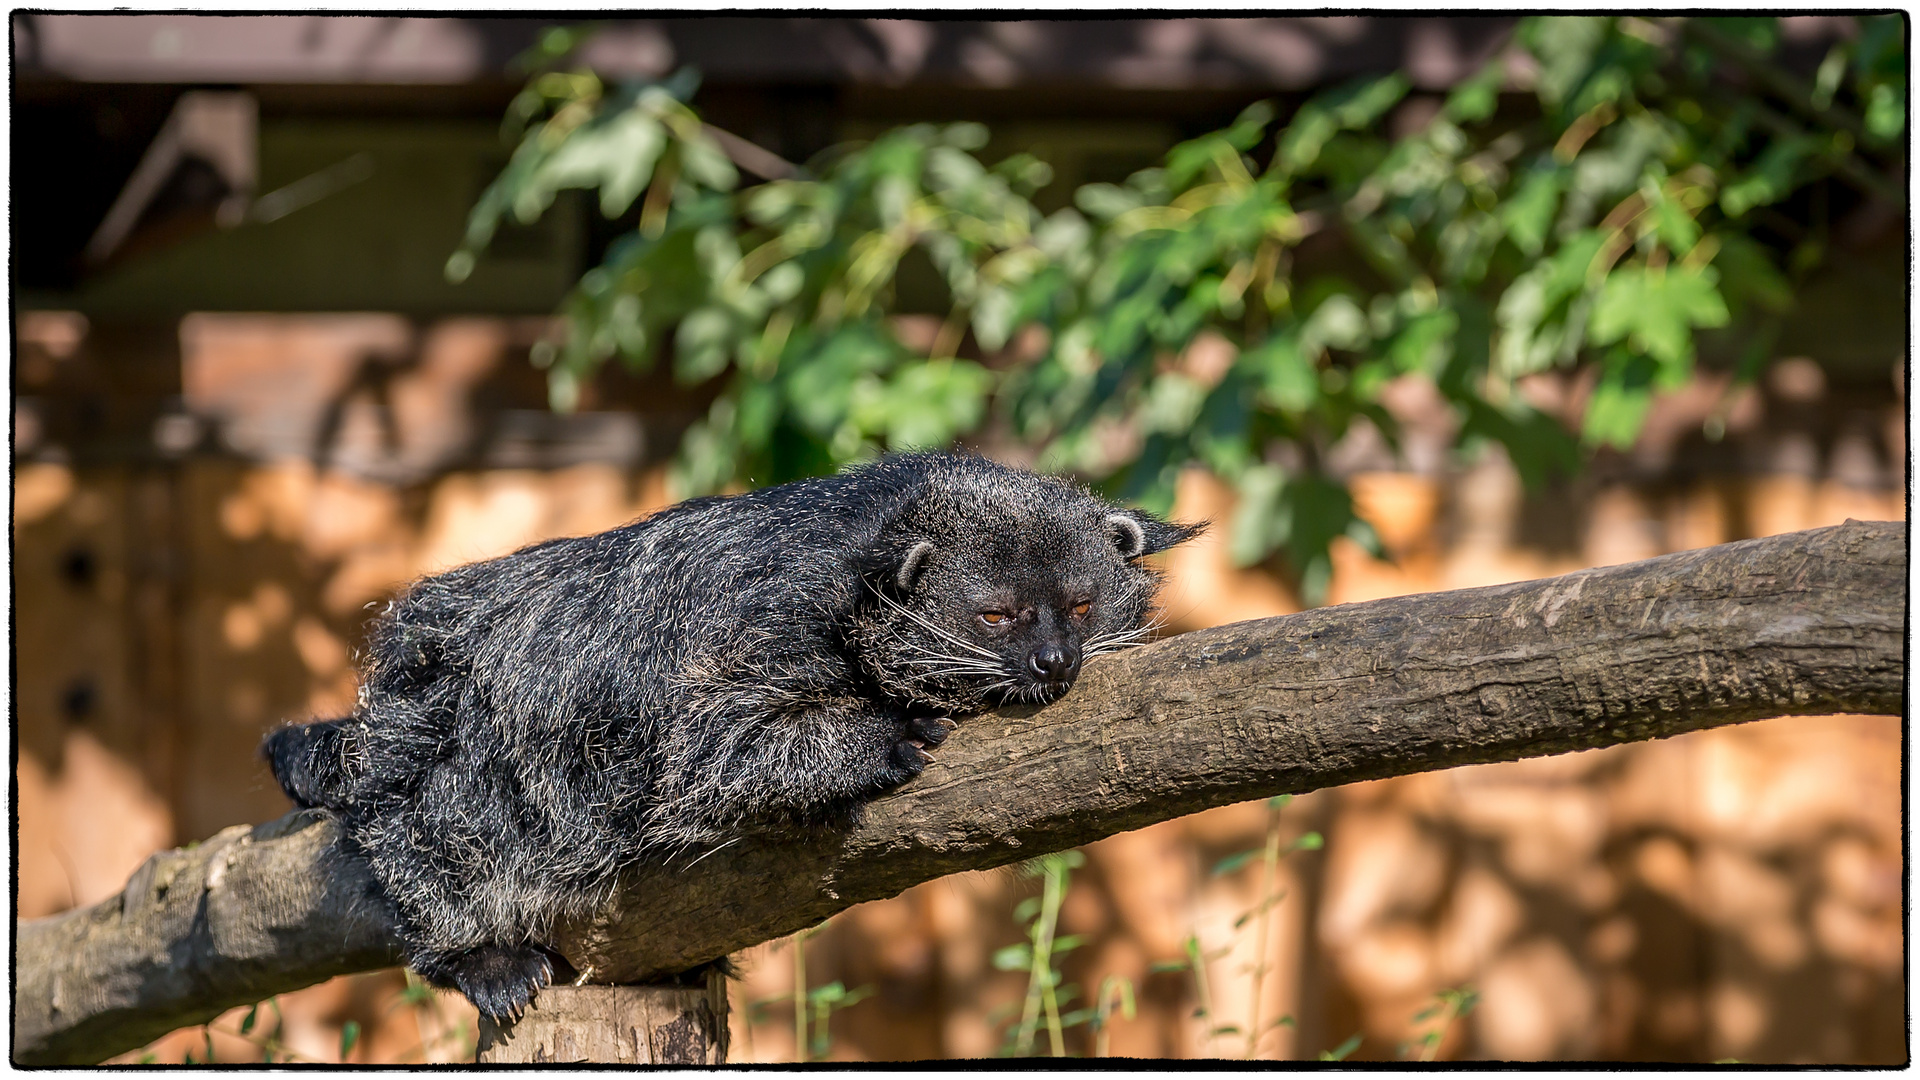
column 529, row 726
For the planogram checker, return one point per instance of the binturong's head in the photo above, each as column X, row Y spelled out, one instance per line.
column 994, row 584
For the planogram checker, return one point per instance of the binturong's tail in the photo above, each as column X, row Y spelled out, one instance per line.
column 309, row 762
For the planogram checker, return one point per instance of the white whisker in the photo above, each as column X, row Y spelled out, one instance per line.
column 927, row 624
column 690, row 865
column 957, row 661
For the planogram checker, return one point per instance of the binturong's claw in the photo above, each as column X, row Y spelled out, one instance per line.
column 930, row 730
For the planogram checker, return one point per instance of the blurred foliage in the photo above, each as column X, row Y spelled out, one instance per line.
column 1594, row 198
column 1038, row 956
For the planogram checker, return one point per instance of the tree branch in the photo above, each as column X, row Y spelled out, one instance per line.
column 1806, row 623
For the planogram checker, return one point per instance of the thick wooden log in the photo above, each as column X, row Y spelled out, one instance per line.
column 252, row 912
column 617, row 1025
column 1805, row 623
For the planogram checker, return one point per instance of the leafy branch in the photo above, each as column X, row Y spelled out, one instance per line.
column 1600, row 206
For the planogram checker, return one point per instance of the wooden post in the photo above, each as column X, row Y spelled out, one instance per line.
column 615, row 1025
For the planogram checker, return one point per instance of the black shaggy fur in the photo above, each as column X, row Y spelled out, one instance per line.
column 529, row 725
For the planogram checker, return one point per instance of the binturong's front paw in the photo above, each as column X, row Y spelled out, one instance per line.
column 920, row 734
column 500, row 981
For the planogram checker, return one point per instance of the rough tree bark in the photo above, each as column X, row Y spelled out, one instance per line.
column 616, row 1025
column 1805, row 623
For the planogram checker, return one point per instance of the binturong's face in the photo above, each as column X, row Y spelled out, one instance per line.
column 1010, row 608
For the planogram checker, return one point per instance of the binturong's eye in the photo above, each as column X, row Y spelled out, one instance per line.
column 1081, row 609
column 994, row 618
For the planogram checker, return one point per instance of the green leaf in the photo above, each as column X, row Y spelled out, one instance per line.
column 1258, row 527
column 1338, row 323
column 1424, row 343
column 1077, row 1017
column 1234, row 862
column 928, row 404
column 1339, row 1053
column 1312, row 841
column 1758, row 32
column 702, row 161
column 1303, row 514
column 966, row 135
column 1249, row 126
column 1162, row 967
column 246, row 1022
column 615, row 153
column 349, row 1035
column 1564, row 46
column 1619, row 403
column 1772, row 176
column 1172, row 403
column 1886, row 110
column 1107, row 201
column 1656, row 310
column 1476, row 98
column 1319, row 509
column 1528, row 213
column 1542, row 314
column 1014, row 958
column 829, row 994
column 1284, row 373
column 1538, row 446
column 702, row 345
column 1748, row 275
column 1354, row 105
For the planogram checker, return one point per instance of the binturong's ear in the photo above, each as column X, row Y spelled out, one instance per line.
column 894, row 567
column 1136, row 533
column 911, row 564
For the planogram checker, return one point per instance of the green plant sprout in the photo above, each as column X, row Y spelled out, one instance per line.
column 1114, row 990
column 1448, row 1006
column 813, row 1007
column 801, row 1048
column 1036, row 955
column 1195, row 962
column 1261, row 913
column 268, row 1042
column 824, row 1001
column 268, row 1038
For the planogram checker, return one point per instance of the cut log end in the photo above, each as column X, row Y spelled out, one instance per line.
column 615, row 1025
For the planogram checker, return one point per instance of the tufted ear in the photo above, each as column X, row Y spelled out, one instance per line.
column 1136, row 533
column 894, row 567
column 910, row 566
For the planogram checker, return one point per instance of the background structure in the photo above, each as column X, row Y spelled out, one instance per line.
column 248, row 407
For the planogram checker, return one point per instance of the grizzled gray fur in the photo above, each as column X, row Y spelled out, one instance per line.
column 529, row 725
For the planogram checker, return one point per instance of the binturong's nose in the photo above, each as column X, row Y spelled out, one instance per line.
column 1055, row 663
